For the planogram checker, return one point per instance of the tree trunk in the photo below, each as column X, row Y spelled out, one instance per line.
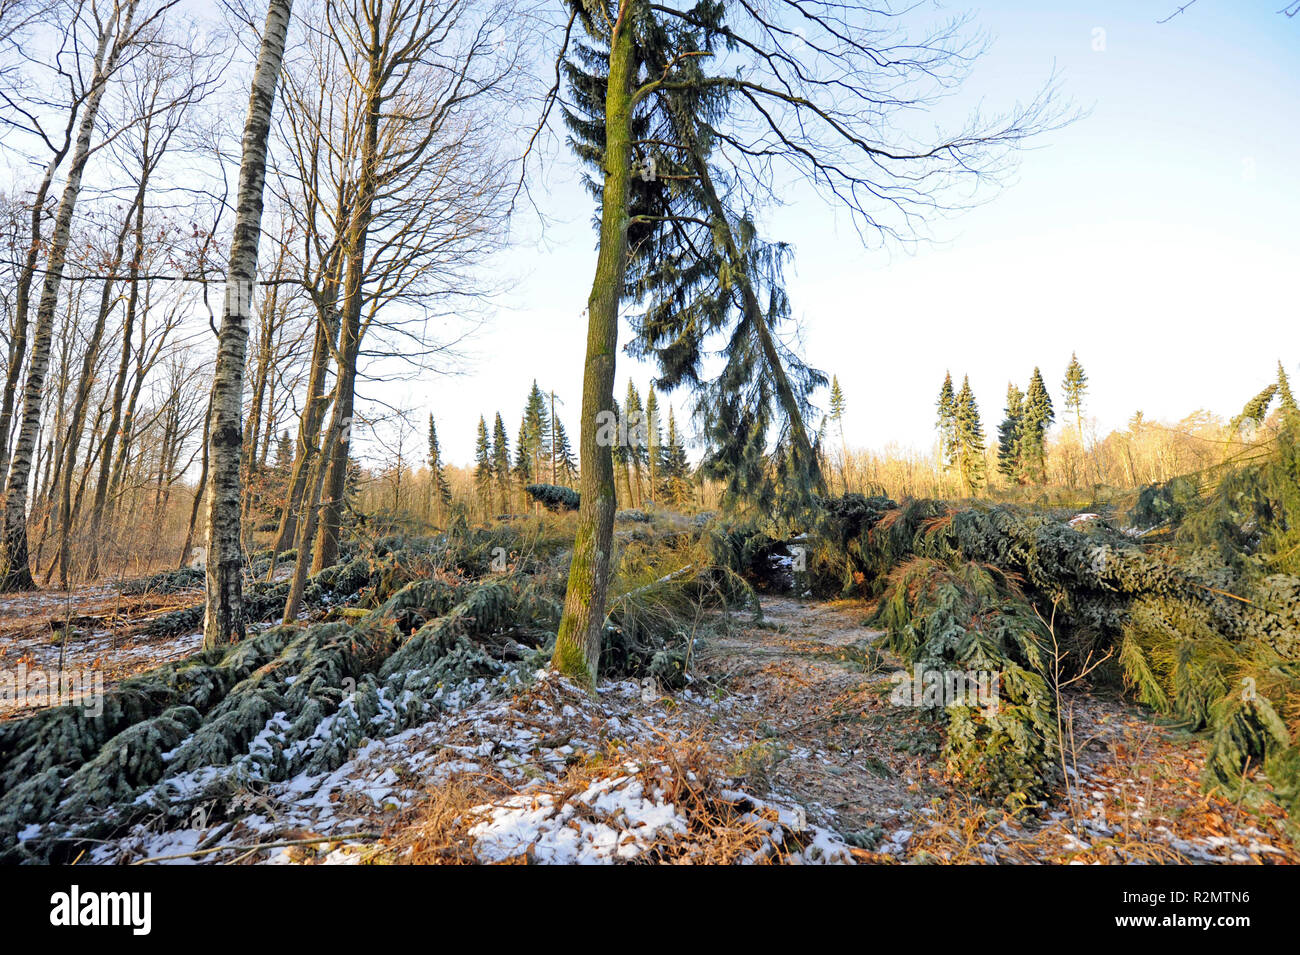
column 223, row 620
column 22, row 301
column 577, row 647
column 331, row 511
column 308, row 433
column 199, row 488
column 306, row 528
column 82, row 397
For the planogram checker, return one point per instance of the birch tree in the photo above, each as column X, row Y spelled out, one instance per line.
column 223, row 620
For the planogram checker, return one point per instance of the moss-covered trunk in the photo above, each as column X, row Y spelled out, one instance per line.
column 577, row 649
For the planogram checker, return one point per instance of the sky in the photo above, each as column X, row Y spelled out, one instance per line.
column 1156, row 237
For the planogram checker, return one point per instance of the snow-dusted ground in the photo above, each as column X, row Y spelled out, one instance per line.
column 787, row 715
column 83, row 659
column 524, row 741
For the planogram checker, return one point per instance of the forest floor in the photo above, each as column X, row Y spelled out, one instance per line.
column 92, row 630
column 785, row 746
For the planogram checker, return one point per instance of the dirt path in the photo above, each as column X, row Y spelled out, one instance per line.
column 818, row 727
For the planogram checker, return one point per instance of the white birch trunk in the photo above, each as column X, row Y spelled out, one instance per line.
column 224, row 617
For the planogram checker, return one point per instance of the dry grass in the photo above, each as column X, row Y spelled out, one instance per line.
column 721, row 828
column 1145, row 790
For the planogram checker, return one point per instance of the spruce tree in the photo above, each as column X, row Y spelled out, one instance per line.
column 708, row 276
column 439, row 489
column 652, row 94
column 969, row 438
column 1255, row 411
column 523, row 469
column 1286, row 398
column 621, row 457
column 565, row 462
column 483, row 470
column 947, row 422
column 501, row 462
column 654, row 440
column 554, row 441
column 1074, row 387
column 1038, row 418
column 536, row 433
column 673, row 465
column 1010, row 450
column 838, row 407
column 636, row 433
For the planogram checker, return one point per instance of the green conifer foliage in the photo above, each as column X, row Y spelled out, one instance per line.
column 970, row 440
column 947, row 422
column 1038, row 417
column 1255, row 410
column 1285, row 397
column 501, row 462
column 439, row 488
column 483, row 470
column 654, row 441
column 837, row 409
column 1010, row 452
column 566, row 464
column 708, row 277
column 635, row 424
column 1074, row 387
column 536, row 434
column 523, row 468
column 674, row 467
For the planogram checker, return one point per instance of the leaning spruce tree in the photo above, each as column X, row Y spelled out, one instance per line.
column 679, row 154
column 223, row 620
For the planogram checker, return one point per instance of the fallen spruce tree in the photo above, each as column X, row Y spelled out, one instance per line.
column 1190, row 633
column 554, row 497
column 424, row 624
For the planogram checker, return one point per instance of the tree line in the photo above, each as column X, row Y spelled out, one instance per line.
column 1022, row 455
column 651, row 462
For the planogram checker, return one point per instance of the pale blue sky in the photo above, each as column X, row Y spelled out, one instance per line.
column 1159, row 237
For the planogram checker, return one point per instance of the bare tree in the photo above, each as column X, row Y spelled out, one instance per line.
column 395, row 183
column 425, row 184
column 118, row 33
